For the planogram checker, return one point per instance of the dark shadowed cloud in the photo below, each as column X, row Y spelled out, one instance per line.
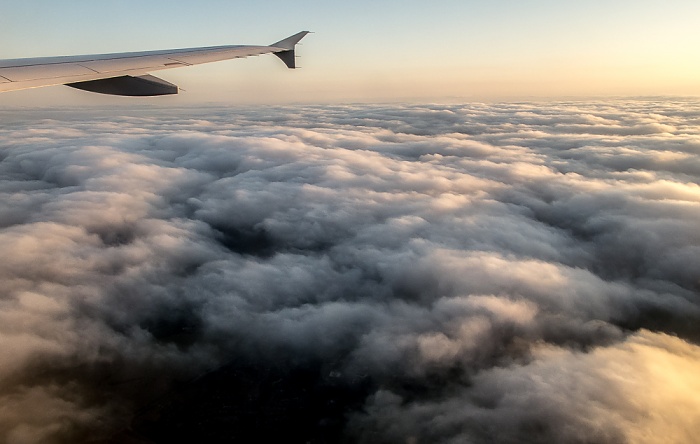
column 476, row 273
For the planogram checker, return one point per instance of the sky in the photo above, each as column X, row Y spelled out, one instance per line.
column 370, row 273
column 381, row 51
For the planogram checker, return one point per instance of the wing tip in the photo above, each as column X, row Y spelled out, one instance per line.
column 290, row 42
column 287, row 48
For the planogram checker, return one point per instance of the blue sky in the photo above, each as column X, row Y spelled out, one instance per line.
column 393, row 50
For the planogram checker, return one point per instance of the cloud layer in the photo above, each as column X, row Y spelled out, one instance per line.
column 477, row 273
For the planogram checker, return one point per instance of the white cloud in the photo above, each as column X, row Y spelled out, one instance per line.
column 437, row 273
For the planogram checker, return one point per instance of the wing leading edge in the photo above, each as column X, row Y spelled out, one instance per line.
column 126, row 74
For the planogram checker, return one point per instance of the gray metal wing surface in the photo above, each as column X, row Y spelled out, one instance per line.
column 128, row 73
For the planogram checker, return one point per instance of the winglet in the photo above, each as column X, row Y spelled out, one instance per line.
column 287, row 45
column 290, row 42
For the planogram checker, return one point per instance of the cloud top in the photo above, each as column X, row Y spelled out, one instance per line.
column 472, row 273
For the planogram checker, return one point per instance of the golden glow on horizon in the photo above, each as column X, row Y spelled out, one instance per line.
column 499, row 51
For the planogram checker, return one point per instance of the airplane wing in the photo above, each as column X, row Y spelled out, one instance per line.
column 126, row 74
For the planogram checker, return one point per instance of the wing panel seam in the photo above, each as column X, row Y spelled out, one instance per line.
column 179, row 61
column 164, row 54
column 87, row 67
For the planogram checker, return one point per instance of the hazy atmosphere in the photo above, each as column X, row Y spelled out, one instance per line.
column 399, row 274
column 368, row 51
